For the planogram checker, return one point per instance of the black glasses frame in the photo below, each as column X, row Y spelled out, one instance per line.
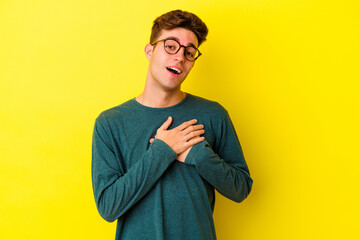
column 163, row 40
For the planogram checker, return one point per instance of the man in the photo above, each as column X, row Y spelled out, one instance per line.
column 157, row 158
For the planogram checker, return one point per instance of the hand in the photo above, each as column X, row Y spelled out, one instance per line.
column 181, row 138
column 182, row 156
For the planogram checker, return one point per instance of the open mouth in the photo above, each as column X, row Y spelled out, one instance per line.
column 174, row 70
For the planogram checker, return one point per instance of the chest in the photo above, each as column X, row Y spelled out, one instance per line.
column 131, row 133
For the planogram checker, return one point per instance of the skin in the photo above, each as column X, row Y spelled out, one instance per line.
column 163, row 89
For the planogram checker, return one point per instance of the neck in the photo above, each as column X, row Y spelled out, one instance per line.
column 160, row 99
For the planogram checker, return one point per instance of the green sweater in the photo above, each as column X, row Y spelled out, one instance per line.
column 151, row 194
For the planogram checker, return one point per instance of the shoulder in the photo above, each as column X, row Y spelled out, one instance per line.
column 207, row 106
column 116, row 112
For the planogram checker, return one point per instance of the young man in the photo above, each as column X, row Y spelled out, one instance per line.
column 157, row 158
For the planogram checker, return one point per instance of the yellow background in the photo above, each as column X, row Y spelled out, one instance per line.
column 287, row 71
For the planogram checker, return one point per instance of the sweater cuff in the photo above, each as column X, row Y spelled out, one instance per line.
column 197, row 152
column 164, row 149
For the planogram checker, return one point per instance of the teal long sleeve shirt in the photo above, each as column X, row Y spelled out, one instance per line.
column 144, row 187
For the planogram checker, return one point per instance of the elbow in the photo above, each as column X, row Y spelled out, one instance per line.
column 238, row 198
column 108, row 217
column 105, row 211
column 243, row 191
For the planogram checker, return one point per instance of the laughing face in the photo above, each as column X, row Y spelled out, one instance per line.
column 168, row 71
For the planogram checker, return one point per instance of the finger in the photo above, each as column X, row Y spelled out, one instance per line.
column 192, row 128
column 151, row 140
column 194, row 134
column 186, row 124
column 166, row 124
column 194, row 141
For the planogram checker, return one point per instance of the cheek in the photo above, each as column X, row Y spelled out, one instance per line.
column 160, row 61
column 189, row 67
column 156, row 62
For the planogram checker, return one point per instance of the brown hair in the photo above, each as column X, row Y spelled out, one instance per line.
column 178, row 18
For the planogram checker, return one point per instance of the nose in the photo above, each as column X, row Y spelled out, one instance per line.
column 180, row 55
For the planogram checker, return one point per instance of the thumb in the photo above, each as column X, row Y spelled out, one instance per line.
column 151, row 140
column 166, row 124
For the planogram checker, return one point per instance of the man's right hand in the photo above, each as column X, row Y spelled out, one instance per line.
column 182, row 137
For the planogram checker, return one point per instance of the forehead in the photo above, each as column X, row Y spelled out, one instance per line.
column 184, row 36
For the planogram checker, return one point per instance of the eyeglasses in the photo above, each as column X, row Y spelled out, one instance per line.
column 172, row 46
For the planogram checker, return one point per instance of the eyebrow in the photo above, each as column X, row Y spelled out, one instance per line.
column 175, row 38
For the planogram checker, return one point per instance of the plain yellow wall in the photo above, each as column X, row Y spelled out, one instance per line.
column 287, row 71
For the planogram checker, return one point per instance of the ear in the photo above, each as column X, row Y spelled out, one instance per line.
column 148, row 50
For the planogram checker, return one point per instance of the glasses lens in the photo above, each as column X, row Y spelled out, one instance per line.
column 191, row 53
column 171, row 46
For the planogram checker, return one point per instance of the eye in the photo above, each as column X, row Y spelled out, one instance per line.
column 189, row 54
column 171, row 47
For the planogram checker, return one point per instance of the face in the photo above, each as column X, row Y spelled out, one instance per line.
column 161, row 72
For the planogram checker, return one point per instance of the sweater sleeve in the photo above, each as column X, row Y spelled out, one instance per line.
column 115, row 190
column 226, row 168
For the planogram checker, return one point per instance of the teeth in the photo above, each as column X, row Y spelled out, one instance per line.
column 175, row 69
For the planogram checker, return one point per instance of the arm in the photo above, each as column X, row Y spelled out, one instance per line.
column 226, row 168
column 116, row 191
